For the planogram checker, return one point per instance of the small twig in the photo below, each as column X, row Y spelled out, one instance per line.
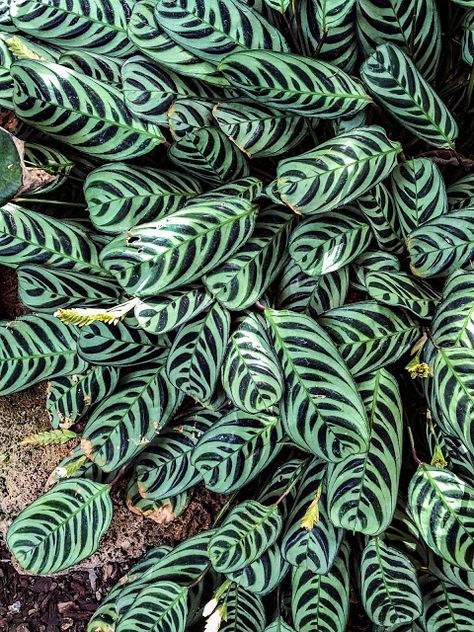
column 259, row 306
column 412, row 444
column 118, row 476
column 58, row 202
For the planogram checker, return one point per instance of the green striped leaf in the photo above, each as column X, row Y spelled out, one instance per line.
column 279, row 483
column 419, row 193
column 62, row 527
column 243, row 278
column 378, row 208
column 402, row 290
column 412, row 25
column 279, row 625
column 245, row 611
column 389, row 587
column 12, row 166
column 43, row 289
column 36, row 348
column 311, row 541
column 299, row 292
column 442, row 245
column 251, row 375
column 196, row 356
column 453, row 392
column 160, row 511
column 373, row 261
column 95, row 66
column 248, row 188
column 161, row 256
column 159, row 607
column 170, row 311
column 150, row 90
column 370, row 336
column 31, row 237
column 88, row 115
column 295, row 84
column 264, row 575
column 125, row 422
column 189, row 115
column 453, row 322
column 337, row 171
column 323, row 245
column 442, row 507
column 101, row 26
column 119, row 345
column 209, row 155
column 236, row 449
column 321, row 602
column 451, row 574
column 120, row 196
column 164, row 469
column 50, row 160
column 395, row 82
column 330, row 13
column 147, row 34
column 257, row 130
column 248, row 531
column 322, row 411
column 445, row 607
column 461, row 192
column 71, row 397
column 338, row 44
column 213, row 32
column 363, row 488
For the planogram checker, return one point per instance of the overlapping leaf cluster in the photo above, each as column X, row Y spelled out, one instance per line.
column 268, row 236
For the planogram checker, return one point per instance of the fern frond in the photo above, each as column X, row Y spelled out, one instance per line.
column 66, row 471
column 82, row 317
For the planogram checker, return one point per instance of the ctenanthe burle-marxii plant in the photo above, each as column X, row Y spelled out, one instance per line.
column 260, row 281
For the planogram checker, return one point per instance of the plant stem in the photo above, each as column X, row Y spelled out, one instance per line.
column 58, row 202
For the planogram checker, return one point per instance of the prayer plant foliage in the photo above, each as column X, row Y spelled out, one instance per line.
column 265, row 213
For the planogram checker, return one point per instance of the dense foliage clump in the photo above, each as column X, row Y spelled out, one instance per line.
column 244, row 233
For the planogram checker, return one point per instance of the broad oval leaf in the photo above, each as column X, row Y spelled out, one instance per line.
column 236, row 449
column 209, row 155
column 378, row 209
column 262, row 576
column 242, row 279
column 257, row 130
column 279, row 625
column 119, row 345
column 442, row 507
column 322, row 410
column 321, row 602
column 363, row 488
column 412, row 25
column 189, row 115
column 442, row 245
column 395, row 82
column 88, row 115
column 419, row 193
column 31, row 237
column 169, row 311
column 299, row 292
column 251, row 375
column 150, row 90
column 120, row 196
column 94, row 65
column 337, row 171
column 159, row 607
column 196, row 356
column 245, row 611
column 62, row 527
column 370, row 336
column 248, row 531
column 100, row 26
column 36, row 348
column 453, row 322
column 212, row 32
column 389, row 587
column 446, row 607
column 461, row 192
column 323, row 245
column 295, row 84
column 43, row 289
column 164, row 469
column 122, row 425
column 153, row 258
column 71, row 397
column 402, row 290
column 311, row 540
column 146, row 33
